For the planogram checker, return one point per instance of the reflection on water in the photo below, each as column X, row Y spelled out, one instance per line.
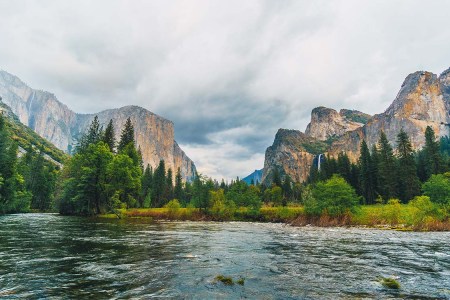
column 51, row 256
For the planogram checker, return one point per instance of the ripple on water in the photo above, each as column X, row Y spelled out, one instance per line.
column 47, row 255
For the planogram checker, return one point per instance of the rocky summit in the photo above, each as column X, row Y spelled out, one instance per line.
column 423, row 100
column 54, row 121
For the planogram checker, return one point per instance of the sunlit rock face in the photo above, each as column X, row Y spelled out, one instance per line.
column 327, row 123
column 54, row 121
column 423, row 100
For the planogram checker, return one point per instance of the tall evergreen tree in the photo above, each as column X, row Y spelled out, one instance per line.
column 169, row 186
column 109, row 136
column 433, row 158
column 276, row 177
column 344, row 166
column 387, row 169
column 127, row 136
column 366, row 179
column 93, row 135
column 408, row 182
column 159, row 184
column 287, row 190
column 178, row 191
column 140, row 158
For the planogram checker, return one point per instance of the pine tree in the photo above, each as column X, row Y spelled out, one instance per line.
column 140, row 158
column 387, row 170
column 408, row 182
column 93, row 135
column 375, row 157
column 178, row 191
column 433, row 158
column 159, row 184
column 109, row 136
column 169, row 186
column 344, row 167
column 287, row 189
column 127, row 136
column 147, row 182
column 276, row 178
column 367, row 181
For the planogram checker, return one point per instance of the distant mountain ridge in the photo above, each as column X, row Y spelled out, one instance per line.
column 254, row 177
column 54, row 121
column 26, row 137
column 423, row 100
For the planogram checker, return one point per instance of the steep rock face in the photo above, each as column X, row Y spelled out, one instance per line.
column 423, row 100
column 327, row 123
column 289, row 156
column 54, row 121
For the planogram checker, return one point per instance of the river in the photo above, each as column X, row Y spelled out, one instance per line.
column 47, row 256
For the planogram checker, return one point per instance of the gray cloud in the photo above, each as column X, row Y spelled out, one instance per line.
column 228, row 73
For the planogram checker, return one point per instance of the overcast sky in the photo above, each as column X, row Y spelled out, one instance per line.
column 227, row 73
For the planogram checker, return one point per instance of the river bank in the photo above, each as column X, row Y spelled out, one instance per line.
column 397, row 217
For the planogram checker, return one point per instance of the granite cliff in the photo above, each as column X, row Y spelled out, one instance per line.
column 423, row 100
column 54, row 121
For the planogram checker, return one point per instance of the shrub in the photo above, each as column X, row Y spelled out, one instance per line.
column 438, row 188
column 225, row 280
column 334, row 197
column 390, row 283
column 392, row 211
column 173, row 209
column 220, row 208
column 423, row 208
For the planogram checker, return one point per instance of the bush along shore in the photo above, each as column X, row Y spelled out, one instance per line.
column 419, row 215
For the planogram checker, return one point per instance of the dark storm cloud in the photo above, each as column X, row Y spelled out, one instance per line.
column 227, row 73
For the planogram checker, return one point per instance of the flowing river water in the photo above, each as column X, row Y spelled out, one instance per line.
column 47, row 256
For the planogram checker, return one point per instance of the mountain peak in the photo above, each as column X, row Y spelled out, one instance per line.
column 328, row 123
column 53, row 120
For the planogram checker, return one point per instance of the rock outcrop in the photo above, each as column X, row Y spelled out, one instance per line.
column 290, row 154
column 327, row 123
column 54, row 121
column 423, row 100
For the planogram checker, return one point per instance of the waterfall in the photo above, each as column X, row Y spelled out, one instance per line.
column 318, row 161
column 31, row 102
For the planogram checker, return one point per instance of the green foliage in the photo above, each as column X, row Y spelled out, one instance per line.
column 93, row 135
column 220, row 208
column 224, row 279
column 367, row 179
column 124, row 177
column 438, row 188
column 334, row 197
column 432, row 154
column 178, row 190
column 159, row 185
column 387, row 169
column 173, row 208
column 109, row 136
column 390, row 283
column 27, row 182
column 423, row 209
column 392, row 211
column 315, row 147
column 25, row 137
column 40, row 179
column 127, row 136
column 408, row 182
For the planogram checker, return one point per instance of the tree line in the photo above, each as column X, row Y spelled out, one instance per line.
column 382, row 172
column 27, row 178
